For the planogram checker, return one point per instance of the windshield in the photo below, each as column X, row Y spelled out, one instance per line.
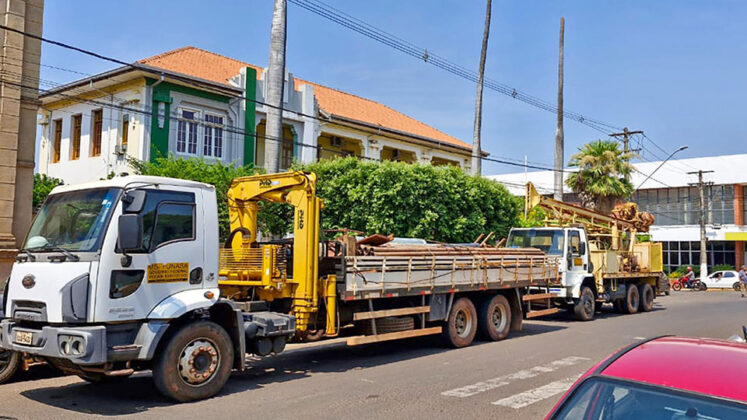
column 550, row 241
column 74, row 221
column 599, row 399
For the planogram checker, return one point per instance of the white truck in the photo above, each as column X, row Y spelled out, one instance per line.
column 600, row 260
column 127, row 274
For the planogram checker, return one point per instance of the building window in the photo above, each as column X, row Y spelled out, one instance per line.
column 688, row 253
column 186, row 136
column 213, row 139
column 75, row 136
column 96, row 131
column 125, row 129
column 57, row 141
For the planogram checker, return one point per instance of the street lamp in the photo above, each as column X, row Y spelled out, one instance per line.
column 661, row 164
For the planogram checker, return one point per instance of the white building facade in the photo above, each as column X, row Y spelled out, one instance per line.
column 193, row 103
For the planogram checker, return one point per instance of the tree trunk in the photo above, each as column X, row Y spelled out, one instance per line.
column 476, row 149
column 275, row 81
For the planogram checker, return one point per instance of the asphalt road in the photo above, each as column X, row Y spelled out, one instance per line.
column 520, row 377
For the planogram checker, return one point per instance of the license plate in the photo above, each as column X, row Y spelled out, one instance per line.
column 24, row 337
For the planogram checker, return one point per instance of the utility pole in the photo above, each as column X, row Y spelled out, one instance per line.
column 626, row 139
column 559, row 155
column 703, row 240
column 275, row 85
column 626, row 142
column 476, row 149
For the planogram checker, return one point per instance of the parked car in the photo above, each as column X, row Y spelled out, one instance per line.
column 726, row 279
column 662, row 378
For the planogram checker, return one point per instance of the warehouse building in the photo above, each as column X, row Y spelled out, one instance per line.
column 673, row 199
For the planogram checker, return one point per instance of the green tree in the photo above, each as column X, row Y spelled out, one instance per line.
column 43, row 185
column 603, row 174
column 440, row 203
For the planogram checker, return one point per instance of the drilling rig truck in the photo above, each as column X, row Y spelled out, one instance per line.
column 600, row 258
column 127, row 274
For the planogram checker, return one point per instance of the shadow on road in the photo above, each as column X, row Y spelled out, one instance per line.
column 138, row 394
column 606, row 312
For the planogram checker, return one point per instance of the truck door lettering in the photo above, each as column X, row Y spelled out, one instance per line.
column 168, row 273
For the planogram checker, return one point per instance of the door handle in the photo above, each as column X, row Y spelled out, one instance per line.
column 195, row 276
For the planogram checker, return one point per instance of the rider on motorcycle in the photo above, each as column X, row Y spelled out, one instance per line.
column 690, row 276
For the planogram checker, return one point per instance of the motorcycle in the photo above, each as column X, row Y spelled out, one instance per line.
column 681, row 283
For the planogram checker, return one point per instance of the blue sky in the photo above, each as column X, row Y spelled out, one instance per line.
column 673, row 68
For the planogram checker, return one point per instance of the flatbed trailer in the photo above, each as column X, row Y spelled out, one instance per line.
column 150, row 288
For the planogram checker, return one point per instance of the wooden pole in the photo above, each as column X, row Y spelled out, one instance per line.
column 476, row 148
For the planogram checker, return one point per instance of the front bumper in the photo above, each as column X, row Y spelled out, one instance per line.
column 80, row 345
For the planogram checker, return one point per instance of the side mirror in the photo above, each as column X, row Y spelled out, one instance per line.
column 582, row 248
column 130, row 232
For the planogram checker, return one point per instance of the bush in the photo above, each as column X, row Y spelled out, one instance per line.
column 440, row 203
column 721, row 267
column 216, row 174
column 43, row 185
column 436, row 203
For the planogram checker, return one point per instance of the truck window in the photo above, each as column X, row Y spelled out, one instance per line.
column 549, row 241
column 174, row 221
column 574, row 241
column 173, row 206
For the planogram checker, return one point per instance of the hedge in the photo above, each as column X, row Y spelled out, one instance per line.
column 439, row 203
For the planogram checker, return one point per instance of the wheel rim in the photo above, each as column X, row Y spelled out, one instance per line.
column 198, row 362
column 633, row 301
column 498, row 318
column 588, row 305
column 463, row 323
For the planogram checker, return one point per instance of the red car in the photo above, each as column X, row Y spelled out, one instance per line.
column 662, row 378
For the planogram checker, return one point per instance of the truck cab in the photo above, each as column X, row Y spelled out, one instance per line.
column 569, row 245
column 105, row 266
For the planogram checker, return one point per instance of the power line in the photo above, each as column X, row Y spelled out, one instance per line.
column 379, row 35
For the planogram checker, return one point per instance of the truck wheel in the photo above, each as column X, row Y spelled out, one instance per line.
column 495, row 318
column 583, row 310
column 630, row 304
column 461, row 326
column 10, row 361
column 195, row 362
column 646, row 293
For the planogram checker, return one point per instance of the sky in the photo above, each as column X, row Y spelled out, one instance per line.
column 672, row 68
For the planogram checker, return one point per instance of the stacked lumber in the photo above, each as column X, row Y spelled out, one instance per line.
column 395, row 250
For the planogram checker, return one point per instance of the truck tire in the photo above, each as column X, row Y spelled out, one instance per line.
column 583, row 310
column 646, row 293
column 10, row 361
column 461, row 326
column 494, row 320
column 388, row 325
column 632, row 299
column 194, row 363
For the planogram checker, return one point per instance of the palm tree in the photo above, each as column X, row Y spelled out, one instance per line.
column 603, row 176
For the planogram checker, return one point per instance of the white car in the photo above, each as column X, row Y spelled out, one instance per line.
column 727, row 279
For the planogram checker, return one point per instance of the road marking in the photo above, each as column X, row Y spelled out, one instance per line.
column 639, row 338
column 474, row 389
column 537, row 394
